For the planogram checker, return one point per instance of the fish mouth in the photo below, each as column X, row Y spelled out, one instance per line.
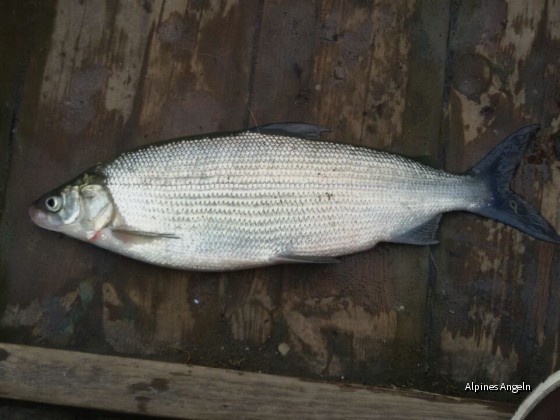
column 39, row 217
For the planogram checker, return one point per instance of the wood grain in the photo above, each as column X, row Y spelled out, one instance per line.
column 342, row 65
column 156, row 70
column 442, row 79
column 163, row 69
column 497, row 289
column 186, row 391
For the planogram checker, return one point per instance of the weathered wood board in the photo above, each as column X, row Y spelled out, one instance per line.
column 443, row 79
column 194, row 392
column 497, row 292
column 182, row 68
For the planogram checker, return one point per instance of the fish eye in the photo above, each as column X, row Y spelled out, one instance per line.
column 53, row 203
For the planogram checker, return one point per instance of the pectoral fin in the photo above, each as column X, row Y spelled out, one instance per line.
column 306, row 131
column 305, row 259
column 425, row 234
column 130, row 235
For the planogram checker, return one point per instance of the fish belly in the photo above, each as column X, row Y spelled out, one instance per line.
column 248, row 200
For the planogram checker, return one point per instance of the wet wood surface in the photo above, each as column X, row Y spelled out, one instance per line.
column 442, row 79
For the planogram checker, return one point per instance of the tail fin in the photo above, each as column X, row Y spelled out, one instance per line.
column 496, row 169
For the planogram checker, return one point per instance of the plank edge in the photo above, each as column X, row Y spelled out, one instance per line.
column 141, row 386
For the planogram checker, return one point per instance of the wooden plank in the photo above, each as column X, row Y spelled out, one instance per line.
column 163, row 69
column 23, row 23
column 186, row 391
column 373, row 73
column 498, row 291
column 16, row 40
column 11, row 81
column 156, row 70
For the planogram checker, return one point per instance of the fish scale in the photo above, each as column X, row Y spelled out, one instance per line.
column 257, row 196
column 273, row 195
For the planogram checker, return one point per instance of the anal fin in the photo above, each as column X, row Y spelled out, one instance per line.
column 424, row 234
column 305, row 259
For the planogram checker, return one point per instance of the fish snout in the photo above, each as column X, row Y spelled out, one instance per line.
column 40, row 217
column 37, row 215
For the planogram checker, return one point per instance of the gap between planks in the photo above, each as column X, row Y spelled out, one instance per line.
column 184, row 391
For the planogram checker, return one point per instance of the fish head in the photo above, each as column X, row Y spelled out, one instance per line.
column 78, row 209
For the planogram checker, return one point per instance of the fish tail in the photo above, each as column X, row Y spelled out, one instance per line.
column 496, row 169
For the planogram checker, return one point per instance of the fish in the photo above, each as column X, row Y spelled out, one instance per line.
column 277, row 194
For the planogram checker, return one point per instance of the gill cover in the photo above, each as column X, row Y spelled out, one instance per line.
column 79, row 208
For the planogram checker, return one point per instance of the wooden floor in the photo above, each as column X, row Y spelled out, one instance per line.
column 83, row 81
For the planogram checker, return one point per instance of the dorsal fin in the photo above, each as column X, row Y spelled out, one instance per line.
column 306, row 131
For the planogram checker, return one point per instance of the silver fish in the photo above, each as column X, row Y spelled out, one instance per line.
column 276, row 194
